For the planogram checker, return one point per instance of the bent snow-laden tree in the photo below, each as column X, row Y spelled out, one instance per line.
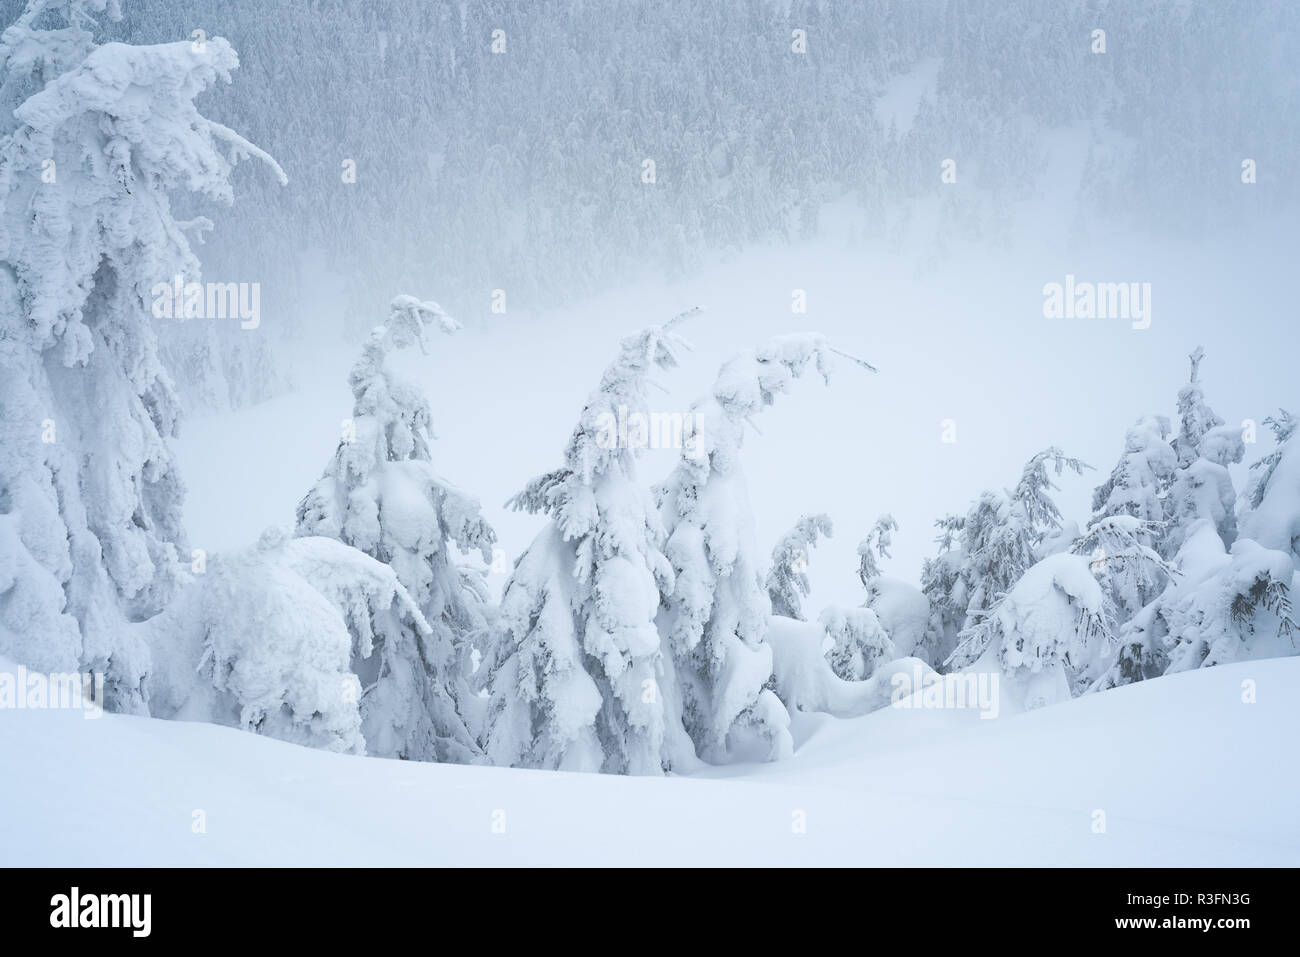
column 89, row 493
column 855, row 642
column 717, row 613
column 381, row 495
column 579, row 679
column 271, row 638
column 787, row 582
column 876, row 544
column 902, row 609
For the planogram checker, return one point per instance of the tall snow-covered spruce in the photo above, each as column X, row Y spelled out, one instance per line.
column 97, row 140
column 1201, row 487
column 717, row 613
column 579, row 677
column 381, row 495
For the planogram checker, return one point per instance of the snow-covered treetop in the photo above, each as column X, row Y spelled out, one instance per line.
column 1196, row 418
column 623, row 387
column 950, row 529
column 1139, row 481
column 392, row 417
column 749, row 383
column 877, row 542
column 409, row 320
column 1273, row 519
column 1283, row 426
column 31, row 55
column 997, row 544
column 148, row 93
column 787, row 582
column 1031, row 491
column 121, row 126
column 622, row 390
column 752, row 380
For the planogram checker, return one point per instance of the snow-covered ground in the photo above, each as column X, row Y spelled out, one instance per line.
column 1184, row 771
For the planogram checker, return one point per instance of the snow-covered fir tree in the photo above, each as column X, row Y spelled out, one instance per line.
column 95, row 139
column 944, row 588
column 1272, row 498
column 876, row 544
column 1223, row 606
column 579, row 678
column 900, row 608
column 1201, row 486
column 1243, row 611
column 1283, row 426
column 997, row 546
column 1045, row 634
column 717, row 612
column 787, row 582
column 381, row 494
column 1001, row 535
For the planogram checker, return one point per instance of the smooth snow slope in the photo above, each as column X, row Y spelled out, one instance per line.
column 1185, row 772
